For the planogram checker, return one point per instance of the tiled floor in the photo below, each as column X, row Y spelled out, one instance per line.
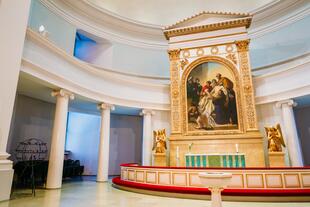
column 89, row 194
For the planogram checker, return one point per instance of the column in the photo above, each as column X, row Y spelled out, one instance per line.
column 56, row 159
column 13, row 22
column 104, row 144
column 175, row 91
column 247, row 85
column 290, row 132
column 147, row 142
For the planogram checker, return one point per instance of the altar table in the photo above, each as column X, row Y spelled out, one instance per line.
column 215, row 160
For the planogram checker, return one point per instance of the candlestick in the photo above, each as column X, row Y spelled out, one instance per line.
column 178, row 156
column 237, row 148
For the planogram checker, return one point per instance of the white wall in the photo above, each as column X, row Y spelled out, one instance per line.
column 270, row 115
column 140, row 61
column 285, row 43
column 33, row 118
column 83, row 140
column 302, row 117
column 125, row 142
column 161, row 120
column 60, row 32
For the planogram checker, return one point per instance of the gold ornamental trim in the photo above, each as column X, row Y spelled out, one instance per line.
column 243, row 45
column 209, row 27
column 184, row 109
column 174, row 54
column 238, row 15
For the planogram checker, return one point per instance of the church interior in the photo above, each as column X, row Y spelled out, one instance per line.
column 154, row 103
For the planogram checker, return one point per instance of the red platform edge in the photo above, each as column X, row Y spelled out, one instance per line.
column 205, row 191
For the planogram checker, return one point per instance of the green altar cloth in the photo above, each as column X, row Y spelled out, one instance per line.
column 215, row 160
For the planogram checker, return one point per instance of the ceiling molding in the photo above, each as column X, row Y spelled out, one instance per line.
column 43, row 60
column 107, row 25
column 286, row 81
column 277, row 15
column 102, row 24
column 140, row 80
column 281, row 65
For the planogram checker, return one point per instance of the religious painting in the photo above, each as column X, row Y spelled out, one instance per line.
column 211, row 98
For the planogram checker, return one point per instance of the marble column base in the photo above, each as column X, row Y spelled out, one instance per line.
column 6, row 178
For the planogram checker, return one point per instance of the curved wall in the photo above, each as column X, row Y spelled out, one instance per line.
column 285, row 43
column 43, row 60
column 59, row 30
column 114, row 84
column 136, row 60
column 283, row 36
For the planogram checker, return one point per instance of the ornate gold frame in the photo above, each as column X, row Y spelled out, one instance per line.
column 238, row 91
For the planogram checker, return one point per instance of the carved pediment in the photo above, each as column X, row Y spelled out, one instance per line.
column 208, row 21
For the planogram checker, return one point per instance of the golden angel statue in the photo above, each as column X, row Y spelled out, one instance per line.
column 159, row 141
column 275, row 138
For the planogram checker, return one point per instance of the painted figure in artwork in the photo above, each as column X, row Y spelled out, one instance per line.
column 215, row 100
column 159, row 141
column 275, row 138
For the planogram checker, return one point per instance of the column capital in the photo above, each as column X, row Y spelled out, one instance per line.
column 174, row 54
column 289, row 102
column 103, row 106
column 242, row 45
column 147, row 112
column 62, row 93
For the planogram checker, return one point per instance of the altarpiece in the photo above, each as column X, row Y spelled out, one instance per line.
column 212, row 97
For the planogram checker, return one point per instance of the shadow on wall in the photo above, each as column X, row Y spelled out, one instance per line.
column 32, row 119
column 83, row 140
column 302, row 117
column 125, row 142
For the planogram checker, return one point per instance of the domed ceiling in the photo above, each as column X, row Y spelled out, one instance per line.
column 167, row 12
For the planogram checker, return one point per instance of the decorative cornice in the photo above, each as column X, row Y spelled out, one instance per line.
column 106, row 106
column 246, row 22
column 62, row 93
column 104, row 24
column 207, row 12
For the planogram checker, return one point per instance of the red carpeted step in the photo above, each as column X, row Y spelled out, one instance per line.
column 205, row 191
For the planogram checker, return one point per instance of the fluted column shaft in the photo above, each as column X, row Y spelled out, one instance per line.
column 147, row 137
column 56, row 158
column 290, row 132
column 104, row 143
